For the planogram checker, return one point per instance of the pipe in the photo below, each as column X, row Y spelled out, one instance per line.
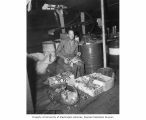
column 103, row 33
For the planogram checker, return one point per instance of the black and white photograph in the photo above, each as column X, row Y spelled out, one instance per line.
column 72, row 59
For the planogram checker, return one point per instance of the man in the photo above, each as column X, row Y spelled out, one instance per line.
column 68, row 47
column 67, row 50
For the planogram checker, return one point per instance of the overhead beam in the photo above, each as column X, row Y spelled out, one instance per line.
column 61, row 17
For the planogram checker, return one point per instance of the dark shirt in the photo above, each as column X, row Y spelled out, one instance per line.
column 67, row 48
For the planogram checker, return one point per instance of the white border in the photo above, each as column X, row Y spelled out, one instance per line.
column 13, row 60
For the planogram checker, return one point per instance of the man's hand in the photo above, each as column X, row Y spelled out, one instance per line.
column 66, row 60
column 78, row 53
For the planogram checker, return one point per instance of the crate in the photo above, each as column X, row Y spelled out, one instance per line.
column 108, row 72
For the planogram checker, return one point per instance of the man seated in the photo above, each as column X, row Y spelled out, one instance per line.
column 66, row 51
column 47, row 63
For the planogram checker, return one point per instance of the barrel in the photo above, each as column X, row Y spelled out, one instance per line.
column 48, row 46
column 92, row 55
column 113, row 56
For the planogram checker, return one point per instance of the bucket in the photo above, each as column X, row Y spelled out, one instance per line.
column 48, row 46
column 113, row 56
column 92, row 56
column 49, row 49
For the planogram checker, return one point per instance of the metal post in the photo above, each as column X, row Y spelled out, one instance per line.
column 61, row 17
column 103, row 33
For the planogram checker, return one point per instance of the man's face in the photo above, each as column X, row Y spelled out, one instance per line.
column 71, row 34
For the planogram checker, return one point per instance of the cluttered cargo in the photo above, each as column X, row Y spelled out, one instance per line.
column 65, row 89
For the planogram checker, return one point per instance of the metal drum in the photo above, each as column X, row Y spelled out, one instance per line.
column 113, row 57
column 92, row 55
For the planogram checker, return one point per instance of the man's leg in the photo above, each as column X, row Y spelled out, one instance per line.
column 78, row 69
column 62, row 67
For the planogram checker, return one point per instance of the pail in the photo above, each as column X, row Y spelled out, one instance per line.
column 48, row 46
column 49, row 49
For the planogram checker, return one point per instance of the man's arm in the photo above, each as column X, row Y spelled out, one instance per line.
column 59, row 49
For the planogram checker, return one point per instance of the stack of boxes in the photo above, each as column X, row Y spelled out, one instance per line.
column 92, row 84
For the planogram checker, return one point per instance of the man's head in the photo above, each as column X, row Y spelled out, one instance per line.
column 71, row 34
